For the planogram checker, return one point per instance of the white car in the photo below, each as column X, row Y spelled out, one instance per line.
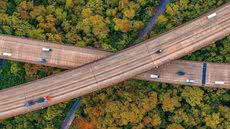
column 190, row 81
column 7, row 54
column 211, row 16
column 46, row 49
column 219, row 82
column 154, row 76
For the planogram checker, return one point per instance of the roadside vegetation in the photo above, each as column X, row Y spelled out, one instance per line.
column 110, row 25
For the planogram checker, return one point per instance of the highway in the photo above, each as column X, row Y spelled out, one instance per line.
column 70, row 57
column 215, row 75
column 117, row 67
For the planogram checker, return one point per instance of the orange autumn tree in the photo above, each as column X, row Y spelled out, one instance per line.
column 82, row 123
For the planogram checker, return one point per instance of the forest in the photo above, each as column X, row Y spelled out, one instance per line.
column 111, row 25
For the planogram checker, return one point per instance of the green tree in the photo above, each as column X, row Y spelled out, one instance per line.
column 193, row 95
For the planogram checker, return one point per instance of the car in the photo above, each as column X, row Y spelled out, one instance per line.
column 46, row 49
column 180, row 73
column 47, row 98
column 38, row 100
column 154, row 76
column 43, row 99
column 159, row 51
column 30, row 103
column 7, row 54
column 43, row 60
column 211, row 16
column 190, row 81
column 219, row 82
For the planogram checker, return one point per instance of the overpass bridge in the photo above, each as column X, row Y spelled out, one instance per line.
column 117, row 67
column 69, row 57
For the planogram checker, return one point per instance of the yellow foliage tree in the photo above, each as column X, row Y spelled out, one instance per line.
column 31, row 71
column 161, row 20
column 212, row 120
column 69, row 4
column 181, row 116
column 3, row 5
column 172, row 9
column 193, row 95
column 123, row 25
column 170, row 103
column 175, row 126
column 86, row 12
column 129, row 13
column 156, row 120
column 14, row 68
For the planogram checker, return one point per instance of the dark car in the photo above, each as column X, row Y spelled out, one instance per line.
column 38, row 100
column 41, row 100
column 30, row 103
column 180, row 73
column 159, row 51
column 42, row 60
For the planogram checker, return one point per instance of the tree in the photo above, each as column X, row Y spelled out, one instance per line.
column 212, row 120
column 14, row 68
column 3, row 6
column 175, row 126
column 69, row 4
column 193, row 95
column 83, row 124
column 123, row 25
column 169, row 103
